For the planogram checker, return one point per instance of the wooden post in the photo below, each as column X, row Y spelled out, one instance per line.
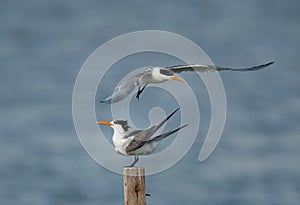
column 134, row 186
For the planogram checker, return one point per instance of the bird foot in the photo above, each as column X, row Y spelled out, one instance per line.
column 140, row 90
column 136, row 159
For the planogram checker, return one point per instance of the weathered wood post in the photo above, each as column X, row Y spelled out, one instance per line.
column 134, row 186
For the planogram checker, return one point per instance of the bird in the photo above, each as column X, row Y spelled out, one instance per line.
column 137, row 142
column 152, row 75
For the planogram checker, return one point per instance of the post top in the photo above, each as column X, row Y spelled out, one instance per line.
column 133, row 168
column 134, row 171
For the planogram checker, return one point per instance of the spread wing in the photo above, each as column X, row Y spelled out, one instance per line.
column 206, row 68
column 143, row 136
column 120, row 92
column 125, row 88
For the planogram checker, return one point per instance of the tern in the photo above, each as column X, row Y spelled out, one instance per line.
column 160, row 75
column 137, row 142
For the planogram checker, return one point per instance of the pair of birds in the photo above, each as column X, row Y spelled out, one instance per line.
column 142, row 142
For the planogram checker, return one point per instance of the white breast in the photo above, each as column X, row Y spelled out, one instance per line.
column 121, row 143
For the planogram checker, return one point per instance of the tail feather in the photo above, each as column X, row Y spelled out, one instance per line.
column 167, row 118
column 154, row 128
column 164, row 135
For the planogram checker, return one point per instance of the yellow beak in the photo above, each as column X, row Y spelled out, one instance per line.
column 178, row 79
column 105, row 123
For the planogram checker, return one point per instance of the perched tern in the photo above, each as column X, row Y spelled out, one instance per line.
column 159, row 75
column 137, row 142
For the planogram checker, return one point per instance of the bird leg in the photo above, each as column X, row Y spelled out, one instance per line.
column 140, row 90
column 136, row 159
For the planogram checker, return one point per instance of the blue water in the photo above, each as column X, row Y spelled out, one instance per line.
column 44, row 44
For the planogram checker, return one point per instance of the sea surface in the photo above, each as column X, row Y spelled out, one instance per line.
column 43, row 45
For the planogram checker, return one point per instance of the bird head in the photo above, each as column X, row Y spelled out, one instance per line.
column 170, row 75
column 120, row 125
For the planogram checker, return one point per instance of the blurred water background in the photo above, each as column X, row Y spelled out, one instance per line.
column 44, row 44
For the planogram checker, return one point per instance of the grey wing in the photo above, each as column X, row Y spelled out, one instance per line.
column 122, row 90
column 147, row 134
column 137, row 143
column 146, row 75
column 154, row 128
column 133, row 133
column 143, row 136
column 134, row 145
column 164, row 135
column 140, row 138
column 206, row 68
column 126, row 87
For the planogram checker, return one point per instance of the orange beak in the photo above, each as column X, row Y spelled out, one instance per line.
column 178, row 79
column 105, row 123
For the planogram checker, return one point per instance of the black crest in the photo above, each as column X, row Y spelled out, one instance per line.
column 166, row 72
column 123, row 123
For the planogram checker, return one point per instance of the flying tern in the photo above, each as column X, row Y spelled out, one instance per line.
column 137, row 142
column 160, row 74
